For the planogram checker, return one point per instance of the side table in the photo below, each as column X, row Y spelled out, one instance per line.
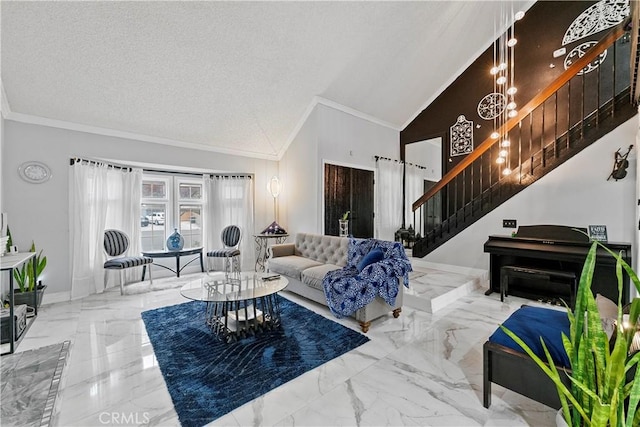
column 176, row 255
column 10, row 262
column 262, row 242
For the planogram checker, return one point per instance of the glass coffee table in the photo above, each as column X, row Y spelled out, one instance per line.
column 238, row 306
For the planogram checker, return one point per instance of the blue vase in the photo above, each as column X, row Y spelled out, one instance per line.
column 175, row 242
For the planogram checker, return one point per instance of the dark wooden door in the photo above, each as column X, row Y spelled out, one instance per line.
column 348, row 189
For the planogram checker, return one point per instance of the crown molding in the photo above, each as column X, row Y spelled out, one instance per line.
column 354, row 112
column 61, row 124
column 336, row 106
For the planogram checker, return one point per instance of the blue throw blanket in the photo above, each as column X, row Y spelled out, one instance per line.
column 350, row 289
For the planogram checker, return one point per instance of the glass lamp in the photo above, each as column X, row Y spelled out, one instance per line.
column 274, row 187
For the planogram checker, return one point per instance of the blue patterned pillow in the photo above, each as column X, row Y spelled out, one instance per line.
column 374, row 256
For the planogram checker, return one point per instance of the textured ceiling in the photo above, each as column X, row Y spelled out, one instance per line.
column 234, row 77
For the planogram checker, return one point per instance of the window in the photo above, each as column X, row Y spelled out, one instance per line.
column 170, row 202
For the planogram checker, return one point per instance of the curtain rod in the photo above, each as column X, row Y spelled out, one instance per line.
column 199, row 175
column 399, row 161
column 229, row 176
column 75, row 160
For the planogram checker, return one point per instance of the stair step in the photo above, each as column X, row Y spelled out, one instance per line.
column 432, row 286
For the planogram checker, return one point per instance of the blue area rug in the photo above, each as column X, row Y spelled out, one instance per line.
column 208, row 378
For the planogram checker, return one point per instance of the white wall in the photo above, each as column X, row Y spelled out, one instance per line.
column 1, row 157
column 332, row 136
column 575, row 194
column 299, row 176
column 40, row 212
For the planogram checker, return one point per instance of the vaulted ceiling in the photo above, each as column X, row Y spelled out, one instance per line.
column 234, row 77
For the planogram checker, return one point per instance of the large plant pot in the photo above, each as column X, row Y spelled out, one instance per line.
column 560, row 421
column 27, row 297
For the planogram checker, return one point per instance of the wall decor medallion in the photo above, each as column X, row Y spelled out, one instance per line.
column 34, row 172
column 578, row 52
column 598, row 17
column 491, row 106
column 461, row 136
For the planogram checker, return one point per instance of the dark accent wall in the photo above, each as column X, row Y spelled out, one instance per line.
column 539, row 34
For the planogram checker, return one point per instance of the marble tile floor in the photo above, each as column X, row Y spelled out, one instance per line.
column 422, row 369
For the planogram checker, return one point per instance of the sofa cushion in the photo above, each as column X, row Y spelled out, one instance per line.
column 291, row 266
column 313, row 276
column 324, row 249
column 375, row 255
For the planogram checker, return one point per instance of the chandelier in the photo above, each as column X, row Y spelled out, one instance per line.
column 503, row 72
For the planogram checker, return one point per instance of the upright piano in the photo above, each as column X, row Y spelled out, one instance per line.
column 558, row 248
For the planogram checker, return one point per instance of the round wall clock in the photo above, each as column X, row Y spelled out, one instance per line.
column 34, row 172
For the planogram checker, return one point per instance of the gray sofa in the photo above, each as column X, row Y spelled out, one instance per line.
column 305, row 263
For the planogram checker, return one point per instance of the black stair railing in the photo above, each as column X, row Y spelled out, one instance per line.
column 574, row 110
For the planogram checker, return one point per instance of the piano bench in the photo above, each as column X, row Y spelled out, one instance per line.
column 514, row 271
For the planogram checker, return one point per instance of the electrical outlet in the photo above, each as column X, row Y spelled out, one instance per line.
column 509, row 223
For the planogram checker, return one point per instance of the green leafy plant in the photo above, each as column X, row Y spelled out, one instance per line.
column 345, row 216
column 9, row 241
column 605, row 384
column 24, row 276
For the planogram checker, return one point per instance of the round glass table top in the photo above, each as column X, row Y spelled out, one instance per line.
column 215, row 287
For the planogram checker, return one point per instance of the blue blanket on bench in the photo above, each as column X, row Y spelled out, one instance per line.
column 357, row 284
column 529, row 324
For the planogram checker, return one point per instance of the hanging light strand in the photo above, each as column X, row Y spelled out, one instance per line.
column 503, row 71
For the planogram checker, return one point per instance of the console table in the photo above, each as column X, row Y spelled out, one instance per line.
column 176, row 255
column 10, row 262
column 262, row 242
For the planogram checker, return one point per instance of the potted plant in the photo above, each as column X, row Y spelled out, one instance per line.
column 9, row 241
column 27, row 282
column 605, row 384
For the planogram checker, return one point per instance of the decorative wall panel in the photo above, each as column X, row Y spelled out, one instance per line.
column 461, row 136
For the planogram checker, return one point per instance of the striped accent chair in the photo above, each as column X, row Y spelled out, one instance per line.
column 230, row 236
column 116, row 243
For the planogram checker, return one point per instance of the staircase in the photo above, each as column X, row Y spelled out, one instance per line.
column 576, row 110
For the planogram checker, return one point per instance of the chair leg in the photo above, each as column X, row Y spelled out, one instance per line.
column 150, row 278
column 122, row 282
column 238, row 266
column 235, row 266
column 226, row 267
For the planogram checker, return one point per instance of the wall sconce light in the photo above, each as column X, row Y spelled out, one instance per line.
column 274, row 187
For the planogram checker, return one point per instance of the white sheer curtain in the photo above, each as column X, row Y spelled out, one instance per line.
column 229, row 201
column 101, row 197
column 388, row 198
column 413, row 188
